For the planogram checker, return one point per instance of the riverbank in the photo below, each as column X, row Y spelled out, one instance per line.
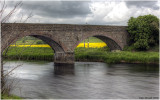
column 84, row 54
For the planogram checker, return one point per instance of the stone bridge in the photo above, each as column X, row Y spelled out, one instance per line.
column 64, row 38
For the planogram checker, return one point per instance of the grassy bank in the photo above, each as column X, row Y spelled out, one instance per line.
column 29, row 53
column 84, row 54
column 116, row 57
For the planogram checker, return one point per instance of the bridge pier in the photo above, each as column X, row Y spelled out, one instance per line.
column 64, row 58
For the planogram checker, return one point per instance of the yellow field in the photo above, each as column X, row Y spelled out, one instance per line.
column 91, row 45
column 45, row 45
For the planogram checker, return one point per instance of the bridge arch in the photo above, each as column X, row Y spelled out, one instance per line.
column 58, row 50
column 53, row 44
column 111, row 43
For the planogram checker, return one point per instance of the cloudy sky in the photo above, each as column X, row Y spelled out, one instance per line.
column 84, row 12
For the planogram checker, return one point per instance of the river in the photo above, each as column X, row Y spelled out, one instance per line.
column 84, row 80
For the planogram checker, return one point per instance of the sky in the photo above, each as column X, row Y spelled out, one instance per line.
column 106, row 12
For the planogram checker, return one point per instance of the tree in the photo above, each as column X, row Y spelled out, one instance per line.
column 5, row 18
column 143, row 31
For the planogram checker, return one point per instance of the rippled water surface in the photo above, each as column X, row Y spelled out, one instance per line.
column 84, row 80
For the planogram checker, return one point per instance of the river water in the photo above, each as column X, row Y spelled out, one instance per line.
column 84, row 80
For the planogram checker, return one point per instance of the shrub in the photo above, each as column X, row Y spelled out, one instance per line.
column 144, row 31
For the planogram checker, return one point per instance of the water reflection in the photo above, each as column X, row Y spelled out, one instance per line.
column 64, row 69
column 86, row 80
column 133, row 69
column 144, row 68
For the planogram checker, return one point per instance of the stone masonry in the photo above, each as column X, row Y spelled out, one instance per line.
column 64, row 38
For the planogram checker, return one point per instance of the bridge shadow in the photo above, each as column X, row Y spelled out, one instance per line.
column 64, row 69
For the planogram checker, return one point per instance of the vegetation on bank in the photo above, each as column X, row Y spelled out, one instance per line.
column 144, row 32
column 84, row 54
column 29, row 53
column 100, row 54
column 10, row 97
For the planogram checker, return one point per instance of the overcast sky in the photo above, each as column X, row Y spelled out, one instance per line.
column 84, row 12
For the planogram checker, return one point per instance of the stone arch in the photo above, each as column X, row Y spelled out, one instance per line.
column 111, row 43
column 60, row 55
column 53, row 44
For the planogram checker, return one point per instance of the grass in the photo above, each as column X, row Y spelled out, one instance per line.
column 84, row 54
column 30, row 53
column 10, row 97
column 94, row 54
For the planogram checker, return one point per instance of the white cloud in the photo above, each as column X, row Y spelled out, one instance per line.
column 101, row 13
column 115, row 13
column 108, row 12
column 119, row 13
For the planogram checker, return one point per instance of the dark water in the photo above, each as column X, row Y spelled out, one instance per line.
column 85, row 80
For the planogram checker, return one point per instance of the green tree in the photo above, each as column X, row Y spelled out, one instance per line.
column 144, row 31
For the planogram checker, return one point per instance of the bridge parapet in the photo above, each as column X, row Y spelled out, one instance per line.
column 60, row 27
